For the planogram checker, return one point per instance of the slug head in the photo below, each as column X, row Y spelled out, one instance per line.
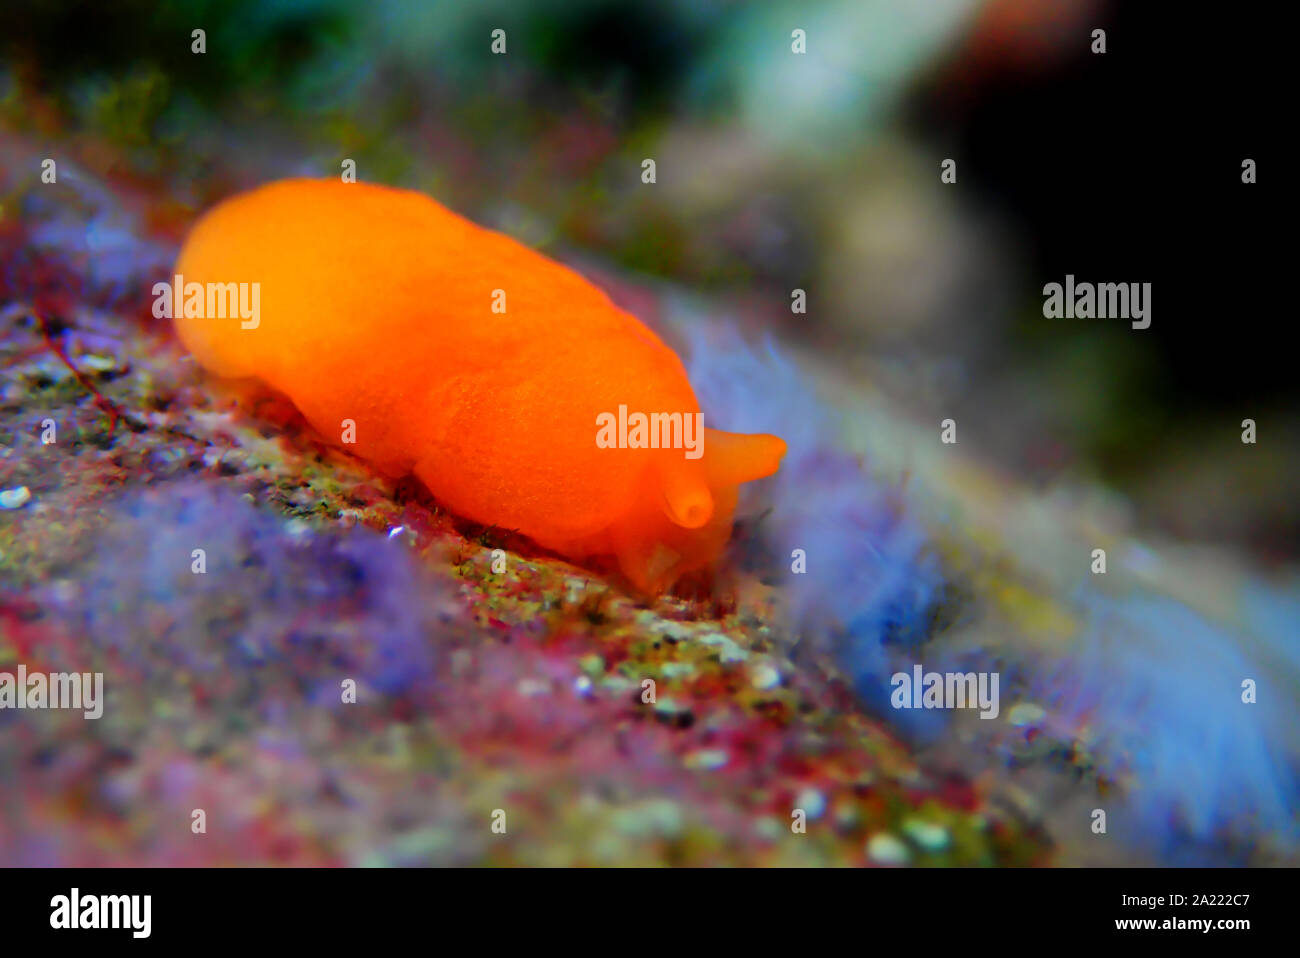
column 682, row 518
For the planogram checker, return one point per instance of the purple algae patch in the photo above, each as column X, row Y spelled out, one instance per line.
column 198, row 578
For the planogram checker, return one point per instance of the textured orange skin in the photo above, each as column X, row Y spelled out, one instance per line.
column 376, row 308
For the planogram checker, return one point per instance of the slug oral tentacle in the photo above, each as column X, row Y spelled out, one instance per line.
column 687, row 500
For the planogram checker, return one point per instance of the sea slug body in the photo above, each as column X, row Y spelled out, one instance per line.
column 375, row 307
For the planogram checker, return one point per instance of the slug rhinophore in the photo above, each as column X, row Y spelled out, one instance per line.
column 511, row 386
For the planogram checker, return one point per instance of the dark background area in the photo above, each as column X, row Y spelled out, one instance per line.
column 1128, row 167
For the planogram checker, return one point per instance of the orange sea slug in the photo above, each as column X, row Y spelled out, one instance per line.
column 375, row 306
